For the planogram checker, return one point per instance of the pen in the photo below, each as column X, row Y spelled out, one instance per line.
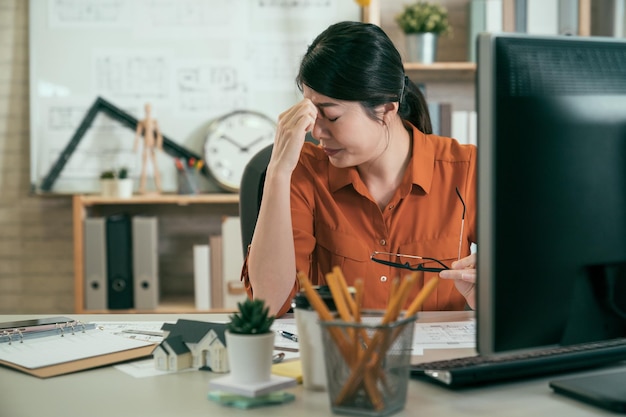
column 144, row 332
column 277, row 358
column 288, row 335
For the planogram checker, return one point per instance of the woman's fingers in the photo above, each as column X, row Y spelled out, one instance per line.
column 293, row 124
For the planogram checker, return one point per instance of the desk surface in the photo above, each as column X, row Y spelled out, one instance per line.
column 108, row 392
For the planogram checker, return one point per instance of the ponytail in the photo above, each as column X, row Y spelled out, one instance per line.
column 413, row 107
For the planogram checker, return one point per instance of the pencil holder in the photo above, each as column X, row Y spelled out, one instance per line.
column 367, row 365
column 187, row 181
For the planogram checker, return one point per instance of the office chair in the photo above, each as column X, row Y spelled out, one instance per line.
column 251, row 192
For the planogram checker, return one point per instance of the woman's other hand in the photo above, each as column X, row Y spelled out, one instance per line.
column 463, row 272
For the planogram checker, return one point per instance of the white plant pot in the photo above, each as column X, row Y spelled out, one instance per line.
column 108, row 187
column 421, row 47
column 125, row 188
column 250, row 357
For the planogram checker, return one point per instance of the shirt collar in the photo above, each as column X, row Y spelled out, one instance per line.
column 419, row 171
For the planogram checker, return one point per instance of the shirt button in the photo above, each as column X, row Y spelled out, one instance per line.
column 383, row 278
column 382, row 242
column 391, row 207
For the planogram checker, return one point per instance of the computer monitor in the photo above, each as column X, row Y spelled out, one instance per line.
column 551, row 191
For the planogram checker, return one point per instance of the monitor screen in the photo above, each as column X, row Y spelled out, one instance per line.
column 551, row 191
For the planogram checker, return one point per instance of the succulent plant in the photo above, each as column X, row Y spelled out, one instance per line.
column 107, row 175
column 122, row 173
column 252, row 317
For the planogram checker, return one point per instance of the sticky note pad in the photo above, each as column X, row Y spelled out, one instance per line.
column 291, row 369
column 243, row 402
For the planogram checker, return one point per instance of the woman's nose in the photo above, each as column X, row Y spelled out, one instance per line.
column 318, row 128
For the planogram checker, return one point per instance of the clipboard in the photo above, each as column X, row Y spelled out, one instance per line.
column 62, row 346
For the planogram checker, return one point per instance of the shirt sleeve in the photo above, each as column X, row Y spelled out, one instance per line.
column 302, row 209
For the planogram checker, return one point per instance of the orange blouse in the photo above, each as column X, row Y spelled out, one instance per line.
column 337, row 223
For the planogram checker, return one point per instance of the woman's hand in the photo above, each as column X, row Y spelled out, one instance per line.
column 463, row 272
column 293, row 124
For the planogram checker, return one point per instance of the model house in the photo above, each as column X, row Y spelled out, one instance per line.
column 192, row 344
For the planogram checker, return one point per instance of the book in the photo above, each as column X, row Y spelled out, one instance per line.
column 460, row 122
column 433, row 111
column 568, row 17
column 215, row 267
column 483, row 16
column 445, row 119
column 542, row 17
column 62, row 345
column 202, row 276
column 232, row 262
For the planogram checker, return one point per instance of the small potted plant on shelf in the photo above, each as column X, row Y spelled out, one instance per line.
column 124, row 184
column 422, row 23
column 108, row 186
column 250, row 342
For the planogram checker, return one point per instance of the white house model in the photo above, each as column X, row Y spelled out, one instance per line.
column 192, row 344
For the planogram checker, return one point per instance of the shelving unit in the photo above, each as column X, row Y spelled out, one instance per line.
column 450, row 78
column 84, row 205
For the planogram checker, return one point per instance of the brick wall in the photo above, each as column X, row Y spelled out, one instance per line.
column 36, row 265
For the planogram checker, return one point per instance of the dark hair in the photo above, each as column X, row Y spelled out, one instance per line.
column 358, row 62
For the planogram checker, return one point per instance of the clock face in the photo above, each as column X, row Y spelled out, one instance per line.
column 232, row 140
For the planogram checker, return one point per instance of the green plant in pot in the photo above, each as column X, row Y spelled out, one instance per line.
column 107, row 175
column 422, row 23
column 250, row 342
column 122, row 173
column 108, row 186
column 124, row 183
column 252, row 317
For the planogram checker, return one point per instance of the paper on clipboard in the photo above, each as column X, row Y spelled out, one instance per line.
column 59, row 354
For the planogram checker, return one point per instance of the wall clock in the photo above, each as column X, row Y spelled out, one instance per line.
column 231, row 141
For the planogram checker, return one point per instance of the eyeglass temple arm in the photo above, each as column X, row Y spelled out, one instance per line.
column 458, row 193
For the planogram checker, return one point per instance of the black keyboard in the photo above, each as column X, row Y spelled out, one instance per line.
column 479, row 370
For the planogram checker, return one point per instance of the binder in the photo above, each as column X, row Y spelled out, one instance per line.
column 145, row 239
column 60, row 345
column 202, row 276
column 95, row 264
column 119, row 262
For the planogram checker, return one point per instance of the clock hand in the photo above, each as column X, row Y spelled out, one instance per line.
column 254, row 142
column 226, row 138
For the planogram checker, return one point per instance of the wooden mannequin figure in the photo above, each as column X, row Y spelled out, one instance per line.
column 152, row 140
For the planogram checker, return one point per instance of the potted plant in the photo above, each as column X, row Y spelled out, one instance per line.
column 124, row 184
column 108, row 186
column 422, row 23
column 250, row 342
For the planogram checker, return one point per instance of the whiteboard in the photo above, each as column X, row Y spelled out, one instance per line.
column 192, row 60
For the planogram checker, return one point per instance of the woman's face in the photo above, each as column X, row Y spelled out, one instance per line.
column 345, row 131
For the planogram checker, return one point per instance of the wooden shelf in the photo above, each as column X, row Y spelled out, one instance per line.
column 444, row 71
column 180, row 199
column 84, row 203
column 167, row 305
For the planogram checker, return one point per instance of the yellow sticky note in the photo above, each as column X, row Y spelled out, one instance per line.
column 291, row 369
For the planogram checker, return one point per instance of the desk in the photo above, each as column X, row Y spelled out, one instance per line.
column 108, row 392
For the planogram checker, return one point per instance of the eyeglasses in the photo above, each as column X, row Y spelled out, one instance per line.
column 377, row 256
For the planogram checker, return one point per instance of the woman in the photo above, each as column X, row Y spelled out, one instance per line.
column 379, row 182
